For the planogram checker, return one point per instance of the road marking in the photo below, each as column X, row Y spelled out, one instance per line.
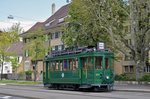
column 6, row 97
column 2, row 84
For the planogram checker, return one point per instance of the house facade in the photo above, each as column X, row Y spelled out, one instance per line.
column 16, row 49
column 53, row 27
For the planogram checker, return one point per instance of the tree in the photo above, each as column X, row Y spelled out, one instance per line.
column 36, row 47
column 120, row 19
column 81, row 28
column 7, row 37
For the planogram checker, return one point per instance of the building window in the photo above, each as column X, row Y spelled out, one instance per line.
column 147, row 69
column 6, row 67
column 56, row 48
column 59, row 47
column 126, row 69
column 49, row 23
column 52, row 35
column 56, row 34
column 18, row 59
column 59, row 34
column 25, row 40
column 131, row 69
column 26, row 53
column 61, row 20
column 62, row 47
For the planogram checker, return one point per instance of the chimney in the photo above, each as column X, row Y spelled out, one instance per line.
column 53, row 8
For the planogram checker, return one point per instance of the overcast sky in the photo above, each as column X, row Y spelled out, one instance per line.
column 27, row 12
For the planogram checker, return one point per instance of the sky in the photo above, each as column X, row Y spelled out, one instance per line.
column 26, row 12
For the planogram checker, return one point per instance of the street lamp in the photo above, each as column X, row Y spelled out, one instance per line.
column 10, row 17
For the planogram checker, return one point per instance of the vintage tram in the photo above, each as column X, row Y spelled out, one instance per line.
column 79, row 68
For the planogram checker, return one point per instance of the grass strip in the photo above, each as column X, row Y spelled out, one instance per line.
column 20, row 82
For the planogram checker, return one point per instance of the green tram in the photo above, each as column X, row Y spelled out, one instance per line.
column 79, row 68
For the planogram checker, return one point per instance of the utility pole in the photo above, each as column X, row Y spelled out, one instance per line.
column 2, row 67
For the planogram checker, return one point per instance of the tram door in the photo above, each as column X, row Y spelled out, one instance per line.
column 84, row 70
column 46, row 72
column 107, row 66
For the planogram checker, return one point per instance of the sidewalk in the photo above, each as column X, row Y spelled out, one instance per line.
column 132, row 88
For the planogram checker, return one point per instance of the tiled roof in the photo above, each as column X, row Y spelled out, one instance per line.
column 61, row 13
column 34, row 27
column 16, row 48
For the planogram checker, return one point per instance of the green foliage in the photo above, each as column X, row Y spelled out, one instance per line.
column 82, row 29
column 35, row 47
column 145, row 77
column 20, row 82
column 21, row 74
column 7, row 37
column 29, row 72
column 14, row 62
column 123, row 77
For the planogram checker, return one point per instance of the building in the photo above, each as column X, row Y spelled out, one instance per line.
column 16, row 49
column 53, row 27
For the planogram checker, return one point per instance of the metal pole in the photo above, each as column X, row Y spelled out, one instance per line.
column 2, row 67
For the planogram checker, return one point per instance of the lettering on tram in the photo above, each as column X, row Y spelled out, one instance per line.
column 79, row 68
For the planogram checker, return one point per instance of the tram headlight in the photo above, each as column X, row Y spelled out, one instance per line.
column 107, row 77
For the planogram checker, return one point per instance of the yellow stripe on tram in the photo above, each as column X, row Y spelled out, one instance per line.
column 86, row 73
column 80, row 73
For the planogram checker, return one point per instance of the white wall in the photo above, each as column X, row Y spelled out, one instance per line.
column 7, row 67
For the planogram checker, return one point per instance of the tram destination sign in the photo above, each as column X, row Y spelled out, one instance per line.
column 100, row 45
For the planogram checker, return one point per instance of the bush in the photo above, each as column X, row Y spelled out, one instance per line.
column 145, row 77
column 123, row 77
column 20, row 74
column 29, row 72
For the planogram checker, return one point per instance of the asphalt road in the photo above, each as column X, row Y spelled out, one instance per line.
column 32, row 92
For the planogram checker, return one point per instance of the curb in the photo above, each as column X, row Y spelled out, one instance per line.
column 132, row 90
column 34, row 85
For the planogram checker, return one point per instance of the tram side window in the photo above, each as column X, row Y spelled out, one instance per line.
column 61, row 65
column 52, row 65
column 75, row 64
column 44, row 67
column 98, row 62
column 65, row 65
column 70, row 64
column 84, row 63
column 106, row 63
column 90, row 62
column 56, row 67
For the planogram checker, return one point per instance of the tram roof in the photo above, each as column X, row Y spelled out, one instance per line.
column 109, row 54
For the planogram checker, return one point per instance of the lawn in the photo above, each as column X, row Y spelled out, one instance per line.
column 20, row 82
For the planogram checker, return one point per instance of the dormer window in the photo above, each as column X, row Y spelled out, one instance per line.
column 61, row 19
column 49, row 23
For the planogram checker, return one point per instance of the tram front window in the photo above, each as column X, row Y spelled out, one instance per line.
column 98, row 62
column 106, row 63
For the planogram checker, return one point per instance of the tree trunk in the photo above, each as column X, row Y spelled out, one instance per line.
column 35, row 71
column 139, row 69
column 2, row 67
